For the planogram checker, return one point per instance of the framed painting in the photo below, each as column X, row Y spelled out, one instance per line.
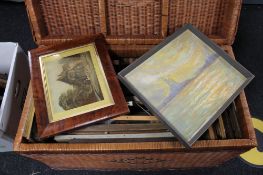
column 187, row 81
column 74, row 84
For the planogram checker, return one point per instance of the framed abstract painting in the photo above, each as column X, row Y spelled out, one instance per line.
column 74, row 84
column 187, row 81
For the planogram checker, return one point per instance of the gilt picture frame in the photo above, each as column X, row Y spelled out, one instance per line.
column 188, row 81
column 74, row 84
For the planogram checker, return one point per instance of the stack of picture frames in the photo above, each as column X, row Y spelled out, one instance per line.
column 184, row 88
column 137, row 127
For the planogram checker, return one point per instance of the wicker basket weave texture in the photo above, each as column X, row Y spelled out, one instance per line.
column 132, row 19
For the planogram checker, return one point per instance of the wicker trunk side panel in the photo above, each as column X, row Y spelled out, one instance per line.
column 207, row 16
column 137, row 21
column 125, row 17
column 135, row 161
column 78, row 17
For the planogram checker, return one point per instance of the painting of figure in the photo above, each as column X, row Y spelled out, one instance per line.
column 78, row 71
column 74, row 83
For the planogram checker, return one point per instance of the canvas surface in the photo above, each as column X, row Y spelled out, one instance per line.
column 183, row 81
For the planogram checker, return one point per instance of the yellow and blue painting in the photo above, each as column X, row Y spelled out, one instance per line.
column 187, row 82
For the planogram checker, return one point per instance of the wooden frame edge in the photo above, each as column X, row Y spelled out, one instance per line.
column 36, row 148
column 22, row 123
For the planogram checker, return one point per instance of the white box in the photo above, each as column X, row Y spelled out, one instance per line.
column 14, row 62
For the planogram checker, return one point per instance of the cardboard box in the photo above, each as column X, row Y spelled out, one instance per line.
column 14, row 62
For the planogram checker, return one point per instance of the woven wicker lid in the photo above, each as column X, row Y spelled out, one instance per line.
column 127, row 22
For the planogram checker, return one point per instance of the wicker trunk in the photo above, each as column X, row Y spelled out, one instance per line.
column 131, row 28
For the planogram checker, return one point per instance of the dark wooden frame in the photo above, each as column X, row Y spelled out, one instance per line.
column 214, row 47
column 45, row 128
